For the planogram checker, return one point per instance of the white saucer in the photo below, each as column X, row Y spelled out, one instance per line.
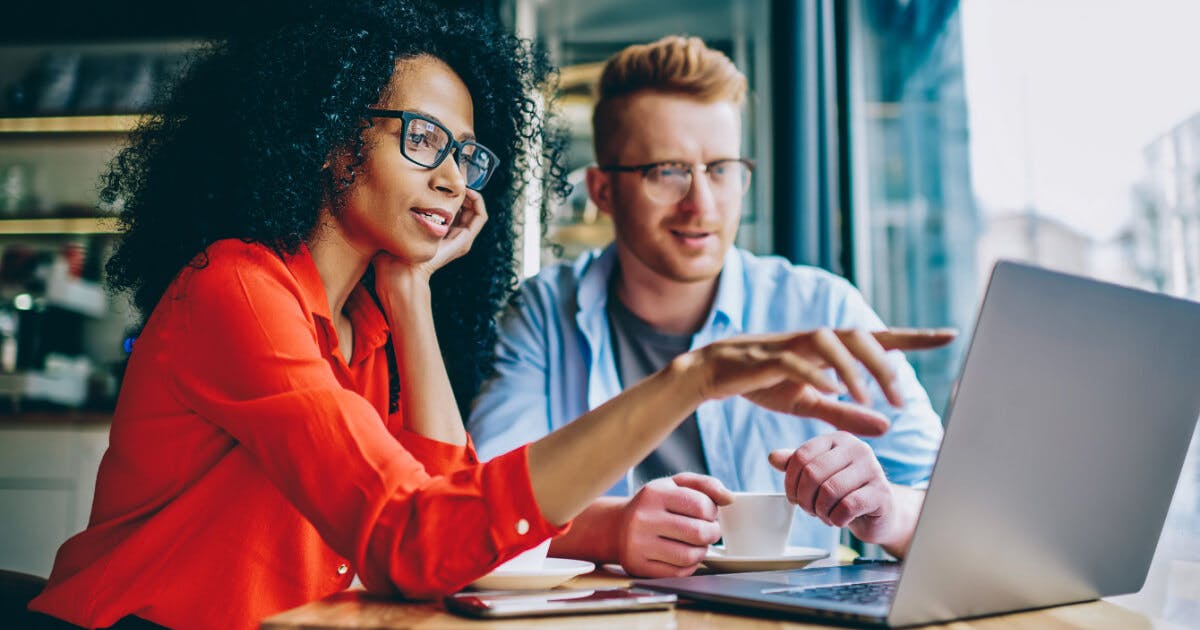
column 792, row 558
column 554, row 571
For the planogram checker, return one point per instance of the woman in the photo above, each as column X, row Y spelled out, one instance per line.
column 286, row 214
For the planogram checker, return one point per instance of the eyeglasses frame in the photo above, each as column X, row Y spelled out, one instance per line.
column 645, row 169
column 454, row 146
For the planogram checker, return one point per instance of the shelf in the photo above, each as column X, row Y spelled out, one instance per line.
column 118, row 124
column 580, row 76
column 85, row 225
column 64, row 418
column 590, row 234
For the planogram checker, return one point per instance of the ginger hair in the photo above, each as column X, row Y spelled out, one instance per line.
column 674, row 65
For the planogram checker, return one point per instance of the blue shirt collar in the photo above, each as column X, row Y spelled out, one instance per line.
column 595, row 270
column 730, row 302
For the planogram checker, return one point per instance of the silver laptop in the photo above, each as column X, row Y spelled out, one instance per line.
column 1064, row 442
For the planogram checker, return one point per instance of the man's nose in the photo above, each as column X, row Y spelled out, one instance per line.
column 700, row 198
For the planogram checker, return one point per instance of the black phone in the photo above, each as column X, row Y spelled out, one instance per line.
column 493, row 604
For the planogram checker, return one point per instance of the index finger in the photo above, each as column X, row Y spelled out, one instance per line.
column 914, row 338
column 470, row 219
column 710, row 486
column 475, row 205
column 872, row 355
column 692, row 503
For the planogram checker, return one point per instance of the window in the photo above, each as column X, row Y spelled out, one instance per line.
column 915, row 223
column 1062, row 133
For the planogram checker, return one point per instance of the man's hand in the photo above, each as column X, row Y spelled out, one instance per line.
column 837, row 478
column 667, row 526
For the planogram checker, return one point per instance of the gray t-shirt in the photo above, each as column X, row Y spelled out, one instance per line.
column 640, row 351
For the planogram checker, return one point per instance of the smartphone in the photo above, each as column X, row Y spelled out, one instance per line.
column 493, row 604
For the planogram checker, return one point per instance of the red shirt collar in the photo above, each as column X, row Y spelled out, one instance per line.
column 370, row 326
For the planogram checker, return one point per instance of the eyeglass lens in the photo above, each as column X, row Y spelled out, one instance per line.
column 669, row 183
column 476, row 164
column 426, row 144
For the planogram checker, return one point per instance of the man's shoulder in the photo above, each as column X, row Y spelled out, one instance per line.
column 557, row 273
column 560, row 280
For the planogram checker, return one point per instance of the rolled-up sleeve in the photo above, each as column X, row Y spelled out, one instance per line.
column 419, row 517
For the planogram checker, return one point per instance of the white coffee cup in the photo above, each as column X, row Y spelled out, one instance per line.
column 756, row 523
column 531, row 560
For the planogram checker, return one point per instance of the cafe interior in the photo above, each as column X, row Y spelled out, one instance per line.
column 905, row 145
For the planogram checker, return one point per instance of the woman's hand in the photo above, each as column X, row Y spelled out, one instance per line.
column 786, row 372
column 427, row 398
column 457, row 242
column 467, row 225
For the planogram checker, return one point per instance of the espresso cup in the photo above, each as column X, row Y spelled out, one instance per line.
column 531, row 560
column 756, row 524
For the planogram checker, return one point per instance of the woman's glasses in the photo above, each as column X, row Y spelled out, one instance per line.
column 426, row 142
column 670, row 182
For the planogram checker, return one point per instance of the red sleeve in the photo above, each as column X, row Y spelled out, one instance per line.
column 438, row 457
column 248, row 360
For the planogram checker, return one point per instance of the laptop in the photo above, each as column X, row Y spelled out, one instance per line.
column 1064, row 442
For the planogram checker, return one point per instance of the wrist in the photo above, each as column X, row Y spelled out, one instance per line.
column 615, row 522
column 401, row 290
column 685, row 375
column 906, row 507
column 595, row 534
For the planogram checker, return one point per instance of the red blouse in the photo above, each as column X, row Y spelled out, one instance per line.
column 250, row 469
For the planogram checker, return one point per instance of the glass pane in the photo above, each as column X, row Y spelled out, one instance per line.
column 1063, row 133
column 916, row 223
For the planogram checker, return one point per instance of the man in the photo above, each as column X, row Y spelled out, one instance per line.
column 672, row 177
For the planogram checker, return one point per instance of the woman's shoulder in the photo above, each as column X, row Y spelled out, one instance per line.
column 236, row 256
column 231, row 263
column 235, row 252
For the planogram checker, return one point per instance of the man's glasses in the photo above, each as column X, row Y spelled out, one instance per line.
column 669, row 182
column 426, row 142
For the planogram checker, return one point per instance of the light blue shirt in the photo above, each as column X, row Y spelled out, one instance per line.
column 555, row 362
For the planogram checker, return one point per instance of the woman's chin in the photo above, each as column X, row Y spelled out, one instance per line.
column 410, row 255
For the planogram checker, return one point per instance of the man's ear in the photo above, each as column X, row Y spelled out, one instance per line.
column 599, row 186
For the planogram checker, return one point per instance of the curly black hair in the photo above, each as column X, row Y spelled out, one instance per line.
column 236, row 149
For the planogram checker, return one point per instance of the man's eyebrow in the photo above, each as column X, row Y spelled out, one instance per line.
column 470, row 135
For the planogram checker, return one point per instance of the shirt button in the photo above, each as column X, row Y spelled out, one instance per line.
column 522, row 527
column 342, row 569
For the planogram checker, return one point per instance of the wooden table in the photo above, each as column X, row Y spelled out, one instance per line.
column 355, row 609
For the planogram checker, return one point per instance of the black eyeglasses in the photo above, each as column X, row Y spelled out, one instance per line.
column 669, row 182
column 426, row 142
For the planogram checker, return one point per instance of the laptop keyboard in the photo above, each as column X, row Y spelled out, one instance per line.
column 858, row 593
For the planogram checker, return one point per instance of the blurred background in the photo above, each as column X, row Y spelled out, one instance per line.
column 905, row 144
